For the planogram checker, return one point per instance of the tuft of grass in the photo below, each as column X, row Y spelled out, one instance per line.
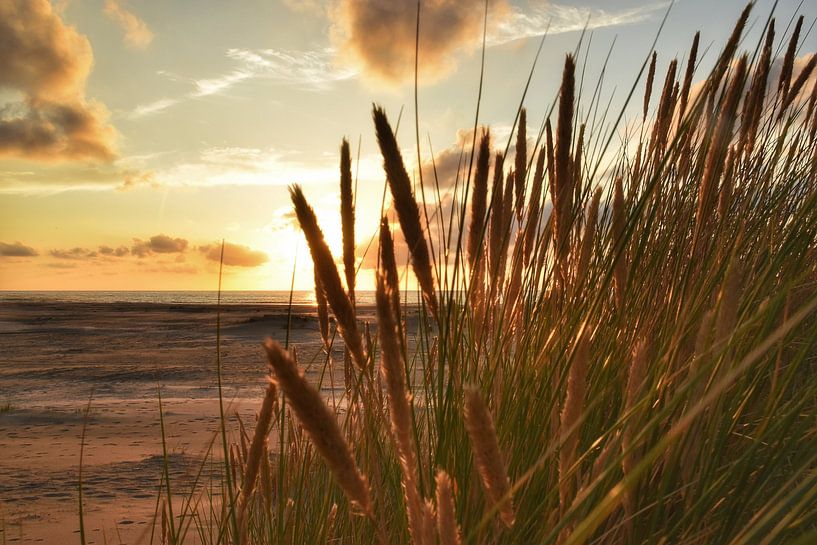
column 627, row 356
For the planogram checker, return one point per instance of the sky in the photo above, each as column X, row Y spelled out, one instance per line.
column 136, row 135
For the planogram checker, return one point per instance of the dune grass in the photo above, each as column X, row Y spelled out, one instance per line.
column 615, row 341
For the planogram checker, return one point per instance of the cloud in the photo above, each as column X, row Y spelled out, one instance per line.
column 153, row 107
column 53, row 178
column 54, row 131
column 454, row 160
column 213, row 86
column 119, row 251
column 450, row 162
column 520, row 24
column 137, row 33
column 48, row 63
column 17, row 249
column 136, row 178
column 237, row 166
column 73, row 253
column 775, row 68
column 78, row 253
column 312, row 70
column 797, row 67
column 158, row 244
column 235, row 255
column 308, row 69
column 283, row 218
column 381, row 36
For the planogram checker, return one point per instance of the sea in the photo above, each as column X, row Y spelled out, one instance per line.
column 272, row 298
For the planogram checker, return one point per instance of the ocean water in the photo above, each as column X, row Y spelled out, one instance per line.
column 273, row 298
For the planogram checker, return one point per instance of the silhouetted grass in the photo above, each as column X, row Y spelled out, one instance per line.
column 627, row 356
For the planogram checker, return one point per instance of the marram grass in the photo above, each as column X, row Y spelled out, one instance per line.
column 624, row 356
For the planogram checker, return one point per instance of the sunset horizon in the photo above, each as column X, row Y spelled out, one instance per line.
column 188, row 145
column 408, row 272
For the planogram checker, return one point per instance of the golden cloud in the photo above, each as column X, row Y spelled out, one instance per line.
column 137, row 33
column 48, row 63
column 381, row 35
column 158, row 244
column 16, row 249
column 235, row 255
column 119, row 251
column 73, row 253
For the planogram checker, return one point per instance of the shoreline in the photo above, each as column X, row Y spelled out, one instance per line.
column 56, row 355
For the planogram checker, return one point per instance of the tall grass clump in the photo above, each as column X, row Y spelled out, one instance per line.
column 615, row 341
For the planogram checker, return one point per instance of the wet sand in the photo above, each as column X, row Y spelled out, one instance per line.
column 56, row 356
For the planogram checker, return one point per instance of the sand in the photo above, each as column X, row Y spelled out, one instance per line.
column 56, row 356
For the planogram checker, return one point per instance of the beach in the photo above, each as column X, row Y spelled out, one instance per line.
column 60, row 357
